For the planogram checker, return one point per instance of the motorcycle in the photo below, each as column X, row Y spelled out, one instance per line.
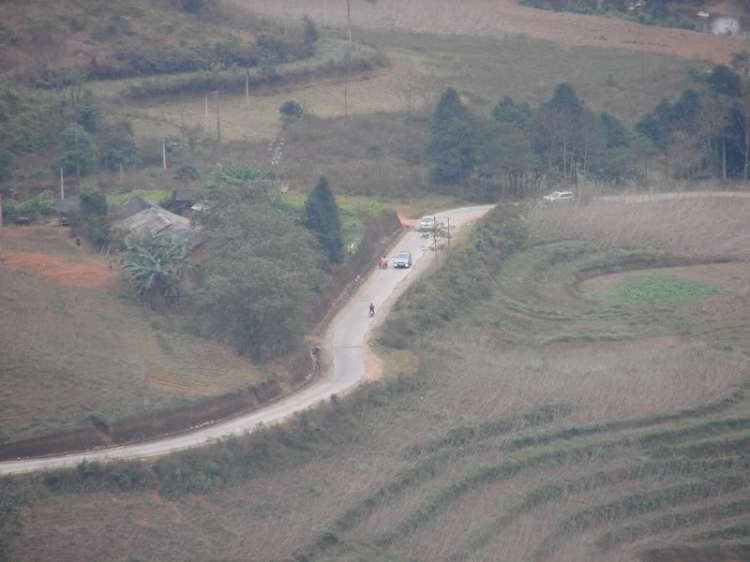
column 372, row 311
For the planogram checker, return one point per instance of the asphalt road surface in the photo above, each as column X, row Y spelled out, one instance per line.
column 349, row 332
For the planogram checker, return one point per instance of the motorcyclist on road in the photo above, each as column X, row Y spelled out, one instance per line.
column 372, row 309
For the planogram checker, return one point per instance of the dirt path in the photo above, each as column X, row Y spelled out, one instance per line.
column 492, row 18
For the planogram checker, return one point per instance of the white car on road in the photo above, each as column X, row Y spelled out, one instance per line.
column 558, row 196
column 402, row 259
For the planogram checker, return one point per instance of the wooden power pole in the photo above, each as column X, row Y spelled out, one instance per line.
column 218, row 125
column 349, row 19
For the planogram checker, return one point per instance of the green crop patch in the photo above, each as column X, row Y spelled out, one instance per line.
column 652, row 289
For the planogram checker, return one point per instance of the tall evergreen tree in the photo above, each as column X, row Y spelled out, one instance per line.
column 659, row 125
column 615, row 133
column 518, row 115
column 453, row 146
column 724, row 81
column 564, row 98
column 322, row 217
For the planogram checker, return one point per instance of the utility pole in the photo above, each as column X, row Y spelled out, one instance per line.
column 434, row 239
column 247, row 86
column 78, row 162
column 1, row 210
column 62, row 184
column 218, row 124
column 164, row 152
column 120, row 172
column 349, row 19
column 346, row 98
column 449, row 234
column 206, row 113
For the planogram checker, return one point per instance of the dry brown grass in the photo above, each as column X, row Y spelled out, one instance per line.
column 70, row 350
column 708, row 227
column 601, row 385
column 463, row 488
column 493, row 18
column 273, row 515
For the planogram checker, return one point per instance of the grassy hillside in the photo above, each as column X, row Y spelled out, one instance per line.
column 41, row 36
column 543, row 422
column 76, row 345
column 380, row 146
column 366, row 123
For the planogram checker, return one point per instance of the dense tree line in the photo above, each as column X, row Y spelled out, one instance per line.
column 194, row 55
column 703, row 134
column 74, row 123
column 265, row 268
column 667, row 13
column 514, row 148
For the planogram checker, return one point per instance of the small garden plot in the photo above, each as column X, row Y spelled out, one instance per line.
column 644, row 289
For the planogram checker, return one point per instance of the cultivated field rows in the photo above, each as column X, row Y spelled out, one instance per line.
column 603, row 444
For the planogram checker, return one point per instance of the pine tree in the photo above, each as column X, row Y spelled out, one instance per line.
column 453, row 145
column 322, row 217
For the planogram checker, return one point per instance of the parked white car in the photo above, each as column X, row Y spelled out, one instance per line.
column 402, row 259
column 427, row 223
column 558, row 196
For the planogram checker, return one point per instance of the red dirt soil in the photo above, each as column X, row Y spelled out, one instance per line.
column 413, row 223
column 59, row 271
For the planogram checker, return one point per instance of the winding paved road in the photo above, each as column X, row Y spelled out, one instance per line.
column 349, row 332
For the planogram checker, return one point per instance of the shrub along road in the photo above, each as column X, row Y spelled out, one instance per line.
column 349, row 332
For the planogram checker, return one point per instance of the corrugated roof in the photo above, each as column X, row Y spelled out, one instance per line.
column 133, row 206
column 159, row 220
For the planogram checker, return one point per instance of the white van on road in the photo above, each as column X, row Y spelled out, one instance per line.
column 427, row 223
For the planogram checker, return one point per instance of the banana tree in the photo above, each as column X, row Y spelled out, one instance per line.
column 155, row 264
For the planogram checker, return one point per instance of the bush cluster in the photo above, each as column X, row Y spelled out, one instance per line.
column 37, row 208
column 656, row 13
column 145, row 60
column 462, row 282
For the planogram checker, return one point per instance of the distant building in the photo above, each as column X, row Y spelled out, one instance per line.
column 186, row 199
column 138, row 215
column 133, row 206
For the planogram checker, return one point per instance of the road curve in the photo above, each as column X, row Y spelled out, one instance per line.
column 349, row 331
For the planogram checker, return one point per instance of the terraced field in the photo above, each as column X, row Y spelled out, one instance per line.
column 544, row 424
